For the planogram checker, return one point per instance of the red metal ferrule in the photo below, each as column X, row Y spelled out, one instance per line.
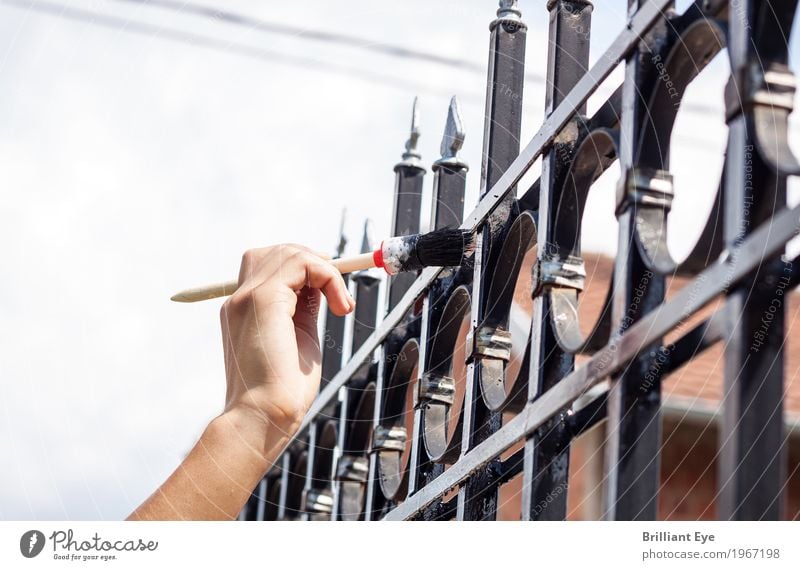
column 377, row 257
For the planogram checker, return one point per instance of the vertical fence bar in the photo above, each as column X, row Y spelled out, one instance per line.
column 367, row 284
column 344, row 414
column 409, row 177
column 477, row 499
column 332, row 353
column 633, row 429
column 546, row 455
column 752, row 466
column 286, row 465
column 263, row 489
column 313, row 435
column 333, row 341
column 447, row 210
column 333, row 344
column 366, row 295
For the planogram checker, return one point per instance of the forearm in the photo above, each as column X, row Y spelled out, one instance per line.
column 216, row 478
column 272, row 366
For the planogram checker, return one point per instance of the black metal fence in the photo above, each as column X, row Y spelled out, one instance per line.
column 432, row 414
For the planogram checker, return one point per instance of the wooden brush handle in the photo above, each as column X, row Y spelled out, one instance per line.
column 206, row 292
column 344, row 265
column 355, row 263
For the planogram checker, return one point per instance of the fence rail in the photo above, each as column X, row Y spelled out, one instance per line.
column 446, row 397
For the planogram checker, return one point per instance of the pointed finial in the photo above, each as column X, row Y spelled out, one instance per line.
column 411, row 157
column 411, row 144
column 342, row 238
column 367, row 240
column 453, row 138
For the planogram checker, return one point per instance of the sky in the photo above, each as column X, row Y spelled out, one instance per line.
column 143, row 148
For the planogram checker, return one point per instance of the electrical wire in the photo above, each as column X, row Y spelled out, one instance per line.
column 266, row 55
column 238, row 19
column 197, row 40
column 251, row 23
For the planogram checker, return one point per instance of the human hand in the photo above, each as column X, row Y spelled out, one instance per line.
column 270, row 338
column 272, row 364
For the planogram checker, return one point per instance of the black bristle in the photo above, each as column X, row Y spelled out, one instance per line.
column 447, row 247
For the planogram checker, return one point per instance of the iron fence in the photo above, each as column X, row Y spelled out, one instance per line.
column 432, row 413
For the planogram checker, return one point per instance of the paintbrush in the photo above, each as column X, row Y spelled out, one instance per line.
column 446, row 247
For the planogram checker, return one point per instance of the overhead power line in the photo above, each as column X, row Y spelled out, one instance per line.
column 266, row 55
column 198, row 40
column 278, row 28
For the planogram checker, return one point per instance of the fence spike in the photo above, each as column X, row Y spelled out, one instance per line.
column 454, row 134
column 412, row 154
column 367, row 239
